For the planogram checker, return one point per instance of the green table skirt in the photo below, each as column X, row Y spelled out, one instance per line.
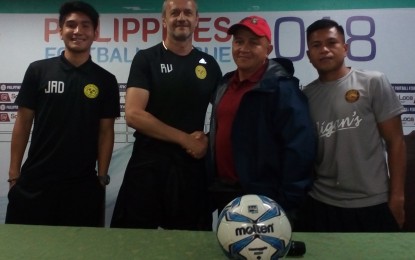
column 44, row 242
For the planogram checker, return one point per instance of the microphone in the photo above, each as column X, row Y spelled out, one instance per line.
column 297, row 248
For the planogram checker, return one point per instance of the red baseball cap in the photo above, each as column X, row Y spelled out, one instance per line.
column 256, row 24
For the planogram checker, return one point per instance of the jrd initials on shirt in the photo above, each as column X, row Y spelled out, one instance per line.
column 55, row 87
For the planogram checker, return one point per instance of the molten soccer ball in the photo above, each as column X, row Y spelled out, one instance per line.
column 254, row 227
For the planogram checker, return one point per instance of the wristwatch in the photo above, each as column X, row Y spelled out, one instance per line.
column 104, row 179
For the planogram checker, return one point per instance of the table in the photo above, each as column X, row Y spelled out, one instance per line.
column 45, row 242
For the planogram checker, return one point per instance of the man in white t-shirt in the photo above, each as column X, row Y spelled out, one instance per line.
column 357, row 117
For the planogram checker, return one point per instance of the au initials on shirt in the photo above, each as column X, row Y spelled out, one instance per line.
column 166, row 68
column 55, row 87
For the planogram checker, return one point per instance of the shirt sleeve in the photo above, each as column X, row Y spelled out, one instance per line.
column 27, row 94
column 385, row 101
column 139, row 71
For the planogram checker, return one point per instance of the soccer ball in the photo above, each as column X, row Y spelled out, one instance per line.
column 254, row 227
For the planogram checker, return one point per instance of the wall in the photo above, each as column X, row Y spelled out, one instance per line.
column 380, row 34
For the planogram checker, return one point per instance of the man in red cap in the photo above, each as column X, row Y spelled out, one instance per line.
column 261, row 137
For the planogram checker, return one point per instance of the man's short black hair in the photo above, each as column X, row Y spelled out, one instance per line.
column 78, row 6
column 324, row 24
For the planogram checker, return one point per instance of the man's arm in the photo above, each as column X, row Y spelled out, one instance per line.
column 299, row 142
column 20, row 138
column 391, row 132
column 136, row 117
column 105, row 144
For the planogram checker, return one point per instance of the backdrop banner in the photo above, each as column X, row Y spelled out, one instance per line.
column 379, row 39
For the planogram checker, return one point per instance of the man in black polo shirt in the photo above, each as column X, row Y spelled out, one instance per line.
column 72, row 104
column 168, row 91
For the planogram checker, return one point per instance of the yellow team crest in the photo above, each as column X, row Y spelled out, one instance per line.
column 91, row 91
column 352, row 95
column 200, row 72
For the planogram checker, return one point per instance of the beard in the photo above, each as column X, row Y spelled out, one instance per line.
column 181, row 37
column 181, row 32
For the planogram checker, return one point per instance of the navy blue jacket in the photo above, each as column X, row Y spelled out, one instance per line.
column 273, row 140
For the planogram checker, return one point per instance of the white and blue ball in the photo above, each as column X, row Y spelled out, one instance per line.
column 254, row 227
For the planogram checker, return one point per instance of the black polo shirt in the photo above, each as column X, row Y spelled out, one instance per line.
column 68, row 102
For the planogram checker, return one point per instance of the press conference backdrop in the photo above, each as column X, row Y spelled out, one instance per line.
column 380, row 34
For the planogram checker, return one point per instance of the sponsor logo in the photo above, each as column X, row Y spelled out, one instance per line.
column 4, row 117
column 4, row 97
column 12, row 87
column 254, row 229
column 405, row 98
column 408, row 120
column 326, row 129
column 8, row 107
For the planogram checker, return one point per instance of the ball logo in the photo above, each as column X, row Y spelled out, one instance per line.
column 91, row 91
column 352, row 95
column 200, row 72
column 254, row 229
column 253, row 209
